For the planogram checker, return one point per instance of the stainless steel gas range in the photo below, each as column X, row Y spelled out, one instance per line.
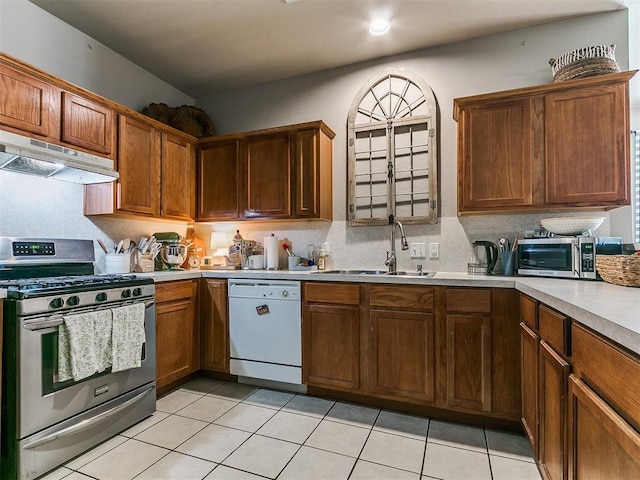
column 50, row 411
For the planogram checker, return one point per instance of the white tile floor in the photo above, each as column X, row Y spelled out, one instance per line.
column 214, row 430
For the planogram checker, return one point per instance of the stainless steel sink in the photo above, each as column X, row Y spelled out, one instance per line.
column 375, row 272
column 352, row 272
column 412, row 274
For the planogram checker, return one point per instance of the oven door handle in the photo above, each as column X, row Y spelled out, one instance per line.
column 57, row 320
column 88, row 423
column 53, row 321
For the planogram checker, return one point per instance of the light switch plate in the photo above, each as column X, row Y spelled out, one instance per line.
column 434, row 250
column 417, row 250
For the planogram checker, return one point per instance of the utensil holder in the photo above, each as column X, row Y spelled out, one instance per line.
column 145, row 264
column 507, row 259
column 117, row 263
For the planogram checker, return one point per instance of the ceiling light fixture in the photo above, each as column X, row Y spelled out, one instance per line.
column 379, row 27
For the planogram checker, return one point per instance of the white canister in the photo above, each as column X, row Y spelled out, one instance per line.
column 256, row 262
column 117, row 263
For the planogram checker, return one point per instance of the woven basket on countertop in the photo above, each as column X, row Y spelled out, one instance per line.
column 584, row 62
column 619, row 269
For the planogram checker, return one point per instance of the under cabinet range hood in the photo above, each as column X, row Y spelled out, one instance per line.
column 34, row 157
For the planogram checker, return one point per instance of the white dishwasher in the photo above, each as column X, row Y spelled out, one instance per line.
column 265, row 330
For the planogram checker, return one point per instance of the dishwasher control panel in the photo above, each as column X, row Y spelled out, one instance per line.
column 272, row 289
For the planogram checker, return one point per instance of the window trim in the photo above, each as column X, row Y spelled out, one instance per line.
column 432, row 121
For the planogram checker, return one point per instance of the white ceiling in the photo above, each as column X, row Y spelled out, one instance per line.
column 208, row 46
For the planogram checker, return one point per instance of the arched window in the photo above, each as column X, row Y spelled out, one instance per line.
column 392, row 142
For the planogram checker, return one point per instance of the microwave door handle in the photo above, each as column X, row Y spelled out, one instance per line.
column 576, row 260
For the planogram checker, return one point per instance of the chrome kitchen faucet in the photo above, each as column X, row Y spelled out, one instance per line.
column 391, row 260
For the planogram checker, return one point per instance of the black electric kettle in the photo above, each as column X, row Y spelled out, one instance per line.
column 485, row 252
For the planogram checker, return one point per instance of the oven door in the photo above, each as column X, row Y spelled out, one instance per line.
column 43, row 400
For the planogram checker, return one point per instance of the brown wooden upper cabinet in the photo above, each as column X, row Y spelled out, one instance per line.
column 88, row 125
column 560, row 146
column 28, row 103
column 34, row 103
column 218, row 181
column 279, row 173
column 156, row 175
column 177, row 177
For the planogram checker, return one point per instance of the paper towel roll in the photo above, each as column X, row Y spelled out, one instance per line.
column 271, row 252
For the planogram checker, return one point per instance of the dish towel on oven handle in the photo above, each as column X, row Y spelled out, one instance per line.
column 128, row 336
column 84, row 345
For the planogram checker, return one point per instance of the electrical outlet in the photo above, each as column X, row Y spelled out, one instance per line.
column 434, row 250
column 417, row 250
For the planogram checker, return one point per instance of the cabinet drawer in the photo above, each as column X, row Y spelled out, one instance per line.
column 475, row 300
column 409, row 297
column 613, row 373
column 340, row 293
column 172, row 291
column 554, row 328
column 528, row 312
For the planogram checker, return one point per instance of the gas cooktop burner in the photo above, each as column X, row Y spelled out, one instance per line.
column 30, row 284
column 45, row 286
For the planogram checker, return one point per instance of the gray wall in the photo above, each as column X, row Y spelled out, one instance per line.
column 493, row 63
column 32, row 206
column 35, row 36
column 37, row 207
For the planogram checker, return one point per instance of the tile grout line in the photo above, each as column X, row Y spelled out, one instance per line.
column 486, row 443
column 308, row 436
column 364, row 444
column 424, row 453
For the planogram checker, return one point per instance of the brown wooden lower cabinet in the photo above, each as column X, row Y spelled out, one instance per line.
column 603, row 445
column 214, row 323
column 177, row 332
column 331, row 346
column 401, row 343
column 402, row 354
column 529, row 360
column 554, row 375
column 469, row 361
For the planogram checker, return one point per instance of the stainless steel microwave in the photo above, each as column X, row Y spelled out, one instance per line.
column 564, row 257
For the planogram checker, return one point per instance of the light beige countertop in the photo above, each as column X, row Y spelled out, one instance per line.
column 611, row 310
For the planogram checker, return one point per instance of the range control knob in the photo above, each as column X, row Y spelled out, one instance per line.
column 73, row 300
column 101, row 297
column 285, row 293
column 137, row 292
column 126, row 293
column 56, row 303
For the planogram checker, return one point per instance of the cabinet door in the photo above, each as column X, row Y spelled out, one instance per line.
column 402, row 354
column 88, row 125
column 496, row 153
column 587, row 146
column 177, row 191
column 215, row 326
column 267, row 173
column 218, row 181
column 139, row 167
column 177, row 351
column 554, row 375
column 529, row 360
column 28, row 104
column 602, row 445
column 312, row 181
column 469, row 361
column 331, row 341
